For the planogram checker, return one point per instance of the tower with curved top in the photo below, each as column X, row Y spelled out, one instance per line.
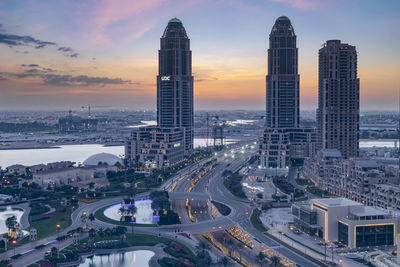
column 283, row 78
column 175, row 81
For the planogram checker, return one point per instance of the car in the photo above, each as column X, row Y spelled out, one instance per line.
column 47, row 253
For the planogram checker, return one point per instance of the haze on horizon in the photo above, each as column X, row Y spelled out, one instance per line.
column 65, row 54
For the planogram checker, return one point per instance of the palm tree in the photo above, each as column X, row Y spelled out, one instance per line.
column 260, row 258
column 92, row 234
column 83, row 219
column 230, row 244
column 276, row 261
column 132, row 210
column 203, row 246
column 11, row 224
column 225, row 261
column 5, row 263
column 91, row 219
column 122, row 211
column 240, row 246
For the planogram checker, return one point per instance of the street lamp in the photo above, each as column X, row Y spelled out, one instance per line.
column 14, row 242
column 58, row 236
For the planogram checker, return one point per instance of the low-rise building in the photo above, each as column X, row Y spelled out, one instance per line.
column 72, row 175
column 17, row 169
column 360, row 179
column 155, row 147
column 348, row 222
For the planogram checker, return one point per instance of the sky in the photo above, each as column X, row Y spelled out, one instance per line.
column 67, row 53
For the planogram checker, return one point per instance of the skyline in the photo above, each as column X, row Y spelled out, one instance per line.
column 107, row 55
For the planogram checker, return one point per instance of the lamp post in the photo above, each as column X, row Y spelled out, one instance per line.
column 58, row 236
column 14, row 242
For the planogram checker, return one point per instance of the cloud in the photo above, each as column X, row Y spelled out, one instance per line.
column 49, row 77
column 65, row 49
column 17, row 40
column 30, row 65
column 68, row 80
column 301, row 4
column 207, row 79
column 12, row 40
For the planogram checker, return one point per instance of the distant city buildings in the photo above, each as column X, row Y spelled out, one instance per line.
column 338, row 98
column 73, row 124
column 283, row 140
column 166, row 144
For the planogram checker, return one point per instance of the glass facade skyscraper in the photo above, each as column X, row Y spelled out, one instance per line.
column 283, row 78
column 175, row 81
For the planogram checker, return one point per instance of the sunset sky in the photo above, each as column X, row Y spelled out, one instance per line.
column 61, row 54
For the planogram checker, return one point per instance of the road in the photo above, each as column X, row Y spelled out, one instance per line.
column 210, row 184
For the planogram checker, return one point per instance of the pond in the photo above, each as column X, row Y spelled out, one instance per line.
column 139, row 258
column 6, row 213
column 144, row 213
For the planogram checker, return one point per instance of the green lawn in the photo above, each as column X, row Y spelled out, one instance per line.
column 318, row 192
column 223, row 209
column 49, row 226
column 304, row 182
column 256, row 222
column 99, row 214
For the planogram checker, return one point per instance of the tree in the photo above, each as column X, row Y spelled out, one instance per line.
column 11, row 223
column 225, row 261
column 204, row 259
column 240, row 246
column 132, row 210
column 230, row 244
column 260, row 258
column 91, row 219
column 275, row 260
column 122, row 211
column 5, row 263
column 203, row 246
column 120, row 230
column 92, row 234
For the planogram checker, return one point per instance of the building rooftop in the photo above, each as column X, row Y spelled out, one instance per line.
column 369, row 211
column 336, row 202
column 367, row 163
column 331, row 153
column 175, row 20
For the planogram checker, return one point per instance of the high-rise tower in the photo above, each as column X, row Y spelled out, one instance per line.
column 284, row 141
column 283, row 78
column 338, row 98
column 175, row 81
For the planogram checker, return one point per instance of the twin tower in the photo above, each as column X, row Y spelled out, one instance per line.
column 284, row 140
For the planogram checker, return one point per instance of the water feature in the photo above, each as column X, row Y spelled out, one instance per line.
column 76, row 153
column 144, row 213
column 139, row 258
column 6, row 213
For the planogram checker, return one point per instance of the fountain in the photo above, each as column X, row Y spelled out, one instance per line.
column 144, row 213
column 9, row 212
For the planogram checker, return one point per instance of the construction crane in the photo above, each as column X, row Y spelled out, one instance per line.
column 89, row 107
